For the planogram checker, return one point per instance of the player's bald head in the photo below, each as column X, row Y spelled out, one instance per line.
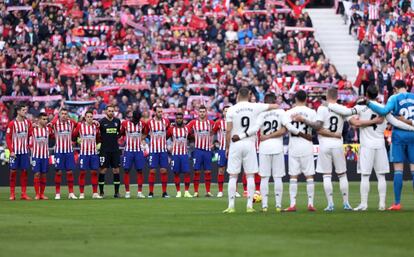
column 244, row 93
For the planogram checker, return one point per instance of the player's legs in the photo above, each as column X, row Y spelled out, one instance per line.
column 250, row 166
column 232, row 190
column 59, row 165
column 12, row 177
column 198, row 163
column 339, row 162
column 36, row 184
column 244, row 183
column 365, row 165
column 69, row 160
column 294, row 171
column 233, row 169
column 84, row 164
column 265, row 170
column 115, row 163
column 207, row 155
column 324, row 166
column 104, row 161
column 94, row 166
column 175, row 167
column 24, row 164
column 127, row 160
column 139, row 166
column 222, row 162
column 382, row 191
column 308, row 167
column 164, row 173
column 398, row 154
column 153, row 163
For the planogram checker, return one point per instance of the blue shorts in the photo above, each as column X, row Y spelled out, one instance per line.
column 202, row 159
column 89, row 162
column 133, row 158
column 222, row 159
column 179, row 163
column 20, row 162
column 400, row 153
column 64, row 161
column 158, row 160
column 40, row 165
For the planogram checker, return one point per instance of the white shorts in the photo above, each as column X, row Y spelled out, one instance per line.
column 301, row 164
column 272, row 164
column 242, row 153
column 328, row 156
column 373, row 158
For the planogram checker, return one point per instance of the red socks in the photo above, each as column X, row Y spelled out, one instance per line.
column 23, row 181
column 164, row 181
column 82, row 176
column 244, row 181
column 257, row 180
column 36, row 183
column 94, row 180
column 42, row 185
column 187, row 180
column 220, row 182
column 151, row 181
column 58, row 181
column 196, row 181
column 12, row 179
column 177, row 181
column 140, row 180
column 207, row 181
column 126, row 181
column 69, row 179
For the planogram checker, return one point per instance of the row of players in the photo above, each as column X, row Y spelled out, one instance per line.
column 299, row 121
column 245, row 118
column 23, row 137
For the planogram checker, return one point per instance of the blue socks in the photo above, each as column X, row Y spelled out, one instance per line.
column 398, row 184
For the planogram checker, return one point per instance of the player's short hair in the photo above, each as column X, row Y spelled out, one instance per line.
column 372, row 92
column 270, row 98
column 400, row 84
column 41, row 115
column 332, row 93
column 244, row 92
column 20, row 106
column 301, row 96
column 63, row 110
column 136, row 115
column 226, row 107
column 179, row 114
column 157, row 107
column 89, row 111
column 109, row 106
column 202, row 107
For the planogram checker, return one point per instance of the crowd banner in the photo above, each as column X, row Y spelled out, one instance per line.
column 46, row 98
column 80, row 103
column 45, row 85
column 203, row 100
column 173, row 61
column 290, row 68
column 68, row 70
column 256, row 12
column 15, row 98
column 112, row 64
column 57, row 5
column 19, row 8
column 202, row 85
column 304, row 29
column 276, row 3
column 125, row 57
column 24, row 73
column 95, row 70
column 102, row 19
column 136, row 25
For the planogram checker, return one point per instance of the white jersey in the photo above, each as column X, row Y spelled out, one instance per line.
column 332, row 122
column 270, row 122
column 243, row 116
column 372, row 136
column 299, row 146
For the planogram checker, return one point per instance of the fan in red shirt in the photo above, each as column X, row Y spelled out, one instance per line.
column 17, row 140
column 202, row 130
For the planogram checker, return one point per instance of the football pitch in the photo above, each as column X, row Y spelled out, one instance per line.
column 196, row 227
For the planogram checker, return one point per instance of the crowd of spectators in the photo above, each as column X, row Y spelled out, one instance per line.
column 136, row 54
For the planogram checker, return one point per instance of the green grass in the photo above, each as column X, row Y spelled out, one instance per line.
column 196, row 227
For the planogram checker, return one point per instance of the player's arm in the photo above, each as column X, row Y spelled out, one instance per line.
column 354, row 121
column 228, row 135
column 253, row 129
column 326, row 133
column 123, row 130
column 342, row 110
column 276, row 134
column 9, row 138
column 98, row 135
column 317, row 124
column 216, row 126
column 169, row 132
column 383, row 110
column 75, row 132
column 400, row 123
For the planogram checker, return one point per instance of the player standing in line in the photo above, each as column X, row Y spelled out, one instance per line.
column 241, row 151
column 402, row 148
column 62, row 128
column 17, row 140
column 89, row 133
column 110, row 156
column 40, row 154
column 372, row 152
column 133, row 155
column 179, row 154
column 273, row 125
column 157, row 128
column 202, row 129
column 220, row 129
column 301, row 156
column 329, row 126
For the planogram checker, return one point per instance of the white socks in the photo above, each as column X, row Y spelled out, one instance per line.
column 264, row 190
column 310, row 189
column 232, row 190
column 293, row 190
column 250, row 190
column 278, row 192
column 364, row 189
column 344, row 187
column 382, row 189
column 327, row 186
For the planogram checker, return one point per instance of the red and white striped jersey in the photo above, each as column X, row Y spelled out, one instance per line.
column 179, row 137
column 63, row 135
column 17, row 136
column 220, row 128
column 40, row 142
column 88, row 135
column 133, row 133
column 373, row 10
column 202, row 132
column 157, row 129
